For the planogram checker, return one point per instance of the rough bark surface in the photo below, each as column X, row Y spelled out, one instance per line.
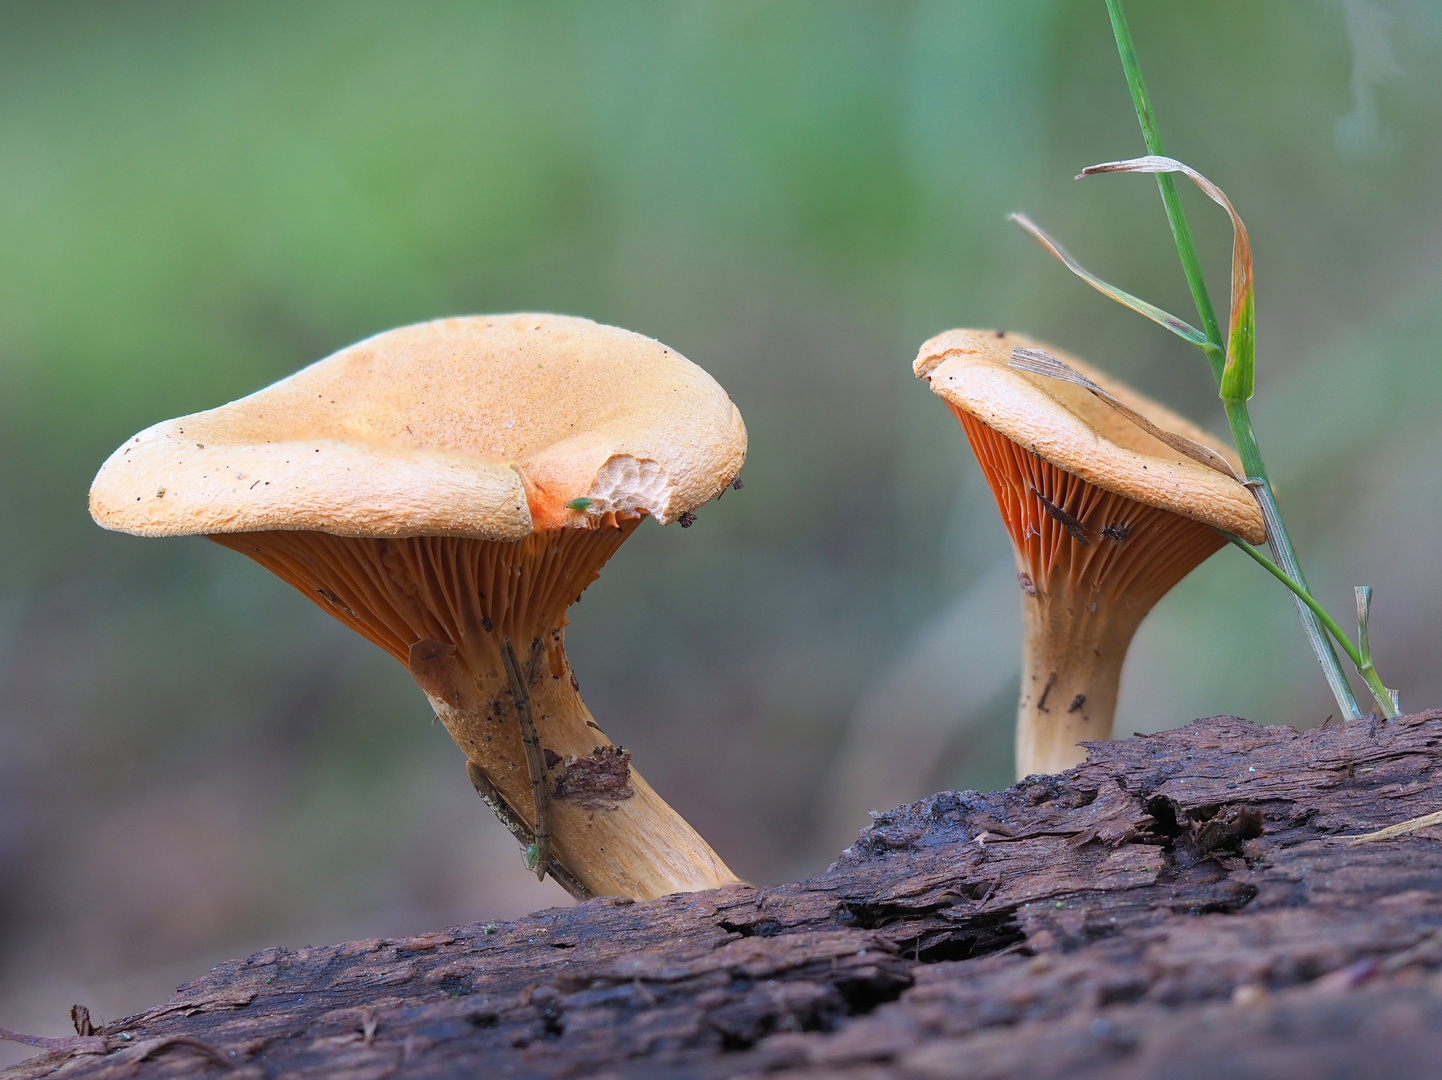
column 1182, row 905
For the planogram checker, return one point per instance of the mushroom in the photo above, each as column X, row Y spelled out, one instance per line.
column 448, row 490
column 1104, row 518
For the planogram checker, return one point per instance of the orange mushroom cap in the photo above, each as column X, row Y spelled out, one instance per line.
column 1073, row 431
column 1104, row 518
column 484, row 426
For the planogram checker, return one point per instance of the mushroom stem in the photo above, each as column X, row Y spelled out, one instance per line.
column 449, row 608
column 1072, row 655
column 608, row 828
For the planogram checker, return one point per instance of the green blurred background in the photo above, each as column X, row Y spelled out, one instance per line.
column 198, row 198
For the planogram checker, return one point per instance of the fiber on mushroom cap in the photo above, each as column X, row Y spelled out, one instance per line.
column 448, row 490
column 1104, row 519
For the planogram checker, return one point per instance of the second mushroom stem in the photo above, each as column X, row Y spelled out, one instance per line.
column 538, row 854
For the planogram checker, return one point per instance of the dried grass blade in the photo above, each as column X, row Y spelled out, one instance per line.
column 1162, row 318
column 535, row 762
column 1040, row 362
column 497, row 804
column 1237, row 377
column 1400, row 829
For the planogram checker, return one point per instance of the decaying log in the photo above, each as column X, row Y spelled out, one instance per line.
column 1183, row 905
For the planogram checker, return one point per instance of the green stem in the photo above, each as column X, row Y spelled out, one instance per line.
column 1181, row 231
column 1380, row 693
column 1312, row 626
column 1237, row 415
column 1239, row 419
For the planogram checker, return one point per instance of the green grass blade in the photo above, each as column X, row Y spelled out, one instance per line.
column 1237, row 388
column 1386, row 699
column 1239, row 373
column 1301, row 594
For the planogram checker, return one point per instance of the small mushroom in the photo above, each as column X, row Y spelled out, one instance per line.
column 448, row 490
column 1104, row 519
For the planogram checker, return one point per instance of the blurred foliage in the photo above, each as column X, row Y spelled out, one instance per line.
column 198, row 198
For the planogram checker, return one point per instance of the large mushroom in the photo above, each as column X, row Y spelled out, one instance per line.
column 1104, row 518
column 448, row 490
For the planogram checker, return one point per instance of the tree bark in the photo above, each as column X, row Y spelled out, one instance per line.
column 1182, row 905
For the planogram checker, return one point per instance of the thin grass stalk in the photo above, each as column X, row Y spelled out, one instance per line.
column 1181, row 231
column 1238, row 416
column 1362, row 659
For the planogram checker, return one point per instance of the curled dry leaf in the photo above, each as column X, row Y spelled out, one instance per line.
column 1237, row 379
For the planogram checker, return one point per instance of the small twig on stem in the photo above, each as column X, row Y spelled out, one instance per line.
column 497, row 804
column 538, row 854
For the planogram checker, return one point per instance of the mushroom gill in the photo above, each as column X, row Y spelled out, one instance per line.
column 1091, row 564
column 447, row 607
column 465, row 592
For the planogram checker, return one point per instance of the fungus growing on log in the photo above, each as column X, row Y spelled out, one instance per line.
column 1104, row 518
column 448, row 490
